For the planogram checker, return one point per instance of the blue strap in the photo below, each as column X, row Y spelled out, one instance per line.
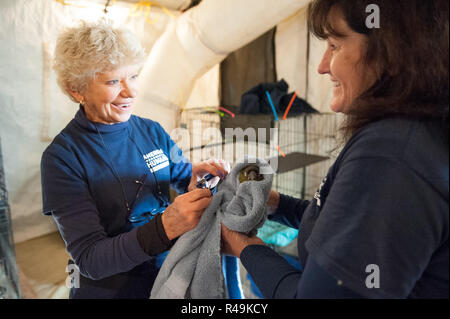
column 272, row 106
column 231, row 274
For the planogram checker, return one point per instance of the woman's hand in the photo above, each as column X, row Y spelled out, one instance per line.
column 218, row 168
column 185, row 212
column 272, row 202
column 233, row 243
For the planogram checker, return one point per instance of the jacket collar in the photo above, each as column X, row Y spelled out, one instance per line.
column 82, row 120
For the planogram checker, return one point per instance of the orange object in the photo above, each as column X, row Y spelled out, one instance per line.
column 289, row 106
column 281, row 152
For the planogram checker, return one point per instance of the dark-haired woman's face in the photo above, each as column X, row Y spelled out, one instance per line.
column 344, row 62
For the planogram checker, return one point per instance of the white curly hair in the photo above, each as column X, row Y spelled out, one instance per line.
column 89, row 48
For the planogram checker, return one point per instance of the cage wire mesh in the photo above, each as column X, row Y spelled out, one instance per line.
column 9, row 280
column 196, row 121
column 311, row 134
column 206, row 139
column 305, row 133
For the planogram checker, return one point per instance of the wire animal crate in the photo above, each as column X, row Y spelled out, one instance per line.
column 310, row 134
column 9, row 281
column 208, row 138
column 197, row 121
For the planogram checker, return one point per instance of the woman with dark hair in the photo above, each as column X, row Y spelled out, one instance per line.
column 378, row 226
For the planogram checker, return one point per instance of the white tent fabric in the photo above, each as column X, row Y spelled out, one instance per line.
column 198, row 40
column 297, row 63
column 169, row 4
column 33, row 109
column 291, row 52
column 182, row 71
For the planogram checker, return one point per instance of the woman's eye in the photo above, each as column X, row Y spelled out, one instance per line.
column 331, row 44
column 112, row 82
column 135, row 76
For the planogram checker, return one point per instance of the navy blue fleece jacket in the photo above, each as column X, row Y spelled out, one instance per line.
column 378, row 225
column 88, row 171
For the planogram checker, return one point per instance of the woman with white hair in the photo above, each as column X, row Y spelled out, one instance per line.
column 106, row 176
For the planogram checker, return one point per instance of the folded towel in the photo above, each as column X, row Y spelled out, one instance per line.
column 193, row 267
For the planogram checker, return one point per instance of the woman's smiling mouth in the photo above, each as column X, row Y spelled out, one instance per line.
column 122, row 107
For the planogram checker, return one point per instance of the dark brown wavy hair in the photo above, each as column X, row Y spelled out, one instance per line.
column 410, row 48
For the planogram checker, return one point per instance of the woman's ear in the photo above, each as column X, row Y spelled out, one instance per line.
column 77, row 96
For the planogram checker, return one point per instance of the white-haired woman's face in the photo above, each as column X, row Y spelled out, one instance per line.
column 110, row 95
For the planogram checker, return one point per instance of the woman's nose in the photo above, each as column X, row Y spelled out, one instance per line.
column 324, row 66
column 128, row 90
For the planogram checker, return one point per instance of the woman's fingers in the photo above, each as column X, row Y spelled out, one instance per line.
column 215, row 167
column 233, row 242
column 197, row 194
column 221, row 168
column 211, row 169
column 201, row 204
column 184, row 213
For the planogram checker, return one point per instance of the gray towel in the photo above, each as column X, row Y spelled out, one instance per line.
column 193, row 267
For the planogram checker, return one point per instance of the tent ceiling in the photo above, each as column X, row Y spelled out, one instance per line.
column 169, row 4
